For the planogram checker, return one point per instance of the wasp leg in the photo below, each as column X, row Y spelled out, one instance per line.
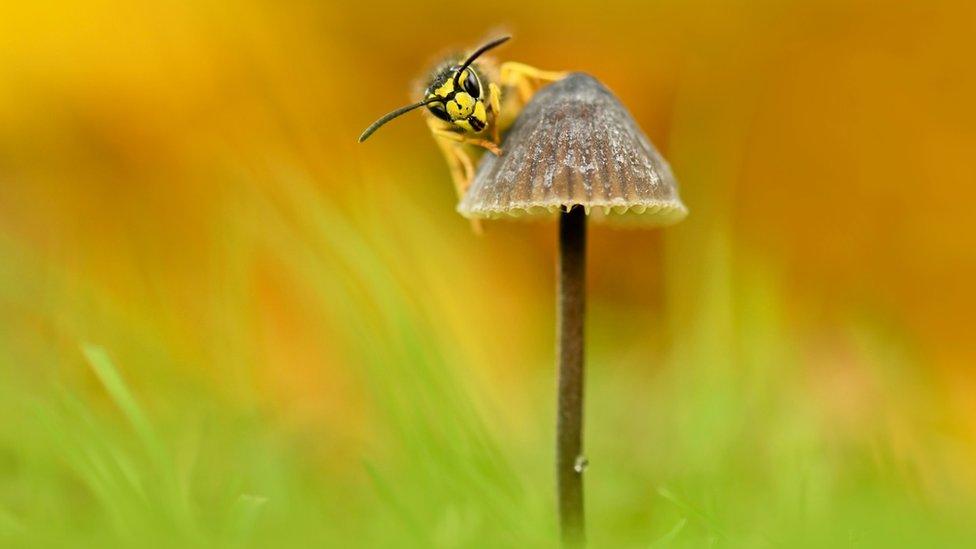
column 495, row 102
column 458, row 163
column 461, row 138
column 462, row 188
column 465, row 160
column 527, row 79
column 460, row 175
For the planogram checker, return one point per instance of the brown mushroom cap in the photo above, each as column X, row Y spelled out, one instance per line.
column 575, row 144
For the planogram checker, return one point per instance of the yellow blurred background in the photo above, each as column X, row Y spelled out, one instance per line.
column 167, row 170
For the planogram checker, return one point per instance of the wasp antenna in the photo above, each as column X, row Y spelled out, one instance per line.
column 477, row 53
column 391, row 115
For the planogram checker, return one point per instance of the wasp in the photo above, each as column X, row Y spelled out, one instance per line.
column 470, row 101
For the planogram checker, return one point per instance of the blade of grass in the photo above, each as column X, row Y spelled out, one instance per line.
column 667, row 539
column 691, row 510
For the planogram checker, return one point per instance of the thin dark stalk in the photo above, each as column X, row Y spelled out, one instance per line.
column 569, row 422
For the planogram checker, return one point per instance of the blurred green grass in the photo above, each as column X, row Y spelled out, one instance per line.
column 722, row 443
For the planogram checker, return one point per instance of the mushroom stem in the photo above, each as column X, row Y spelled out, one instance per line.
column 569, row 422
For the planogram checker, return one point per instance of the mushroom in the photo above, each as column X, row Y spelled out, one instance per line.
column 575, row 150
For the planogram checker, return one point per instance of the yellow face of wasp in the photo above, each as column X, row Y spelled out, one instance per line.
column 463, row 99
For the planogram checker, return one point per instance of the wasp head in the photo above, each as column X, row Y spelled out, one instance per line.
column 456, row 95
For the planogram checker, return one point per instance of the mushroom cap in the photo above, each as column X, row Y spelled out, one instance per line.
column 575, row 144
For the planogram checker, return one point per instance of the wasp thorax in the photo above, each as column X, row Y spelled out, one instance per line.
column 462, row 99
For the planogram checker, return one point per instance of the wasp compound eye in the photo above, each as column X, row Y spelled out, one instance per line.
column 471, row 85
column 437, row 109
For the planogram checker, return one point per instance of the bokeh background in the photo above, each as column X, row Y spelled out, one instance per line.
column 225, row 323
